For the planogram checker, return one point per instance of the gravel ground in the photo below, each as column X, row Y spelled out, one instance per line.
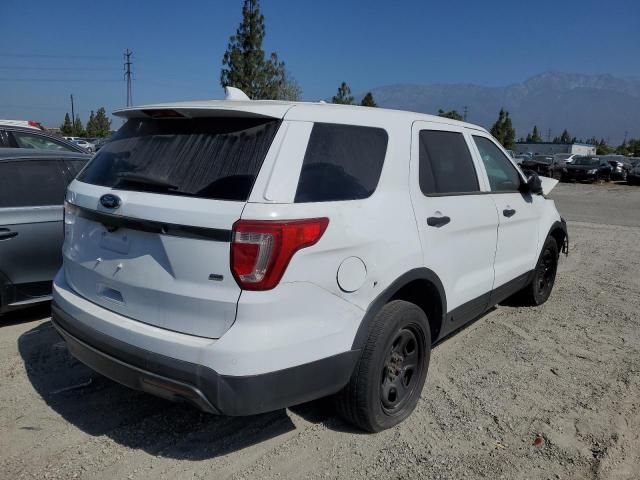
column 546, row 392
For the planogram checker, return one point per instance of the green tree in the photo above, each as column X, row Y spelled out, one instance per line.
column 91, row 128
column 289, row 89
column 534, row 136
column 244, row 65
column 503, row 130
column 102, row 124
column 453, row 114
column 67, row 127
column 634, row 147
column 344, row 96
column 368, row 101
column 602, row 148
column 565, row 137
column 78, row 129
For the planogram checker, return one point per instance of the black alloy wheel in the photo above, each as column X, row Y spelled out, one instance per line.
column 402, row 368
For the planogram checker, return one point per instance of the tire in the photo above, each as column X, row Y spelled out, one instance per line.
column 539, row 288
column 388, row 379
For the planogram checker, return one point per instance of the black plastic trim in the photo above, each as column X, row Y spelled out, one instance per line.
column 374, row 307
column 504, row 291
column 227, row 395
column 464, row 313
column 152, row 226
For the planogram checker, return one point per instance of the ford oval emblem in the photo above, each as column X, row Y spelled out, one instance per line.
column 110, row 201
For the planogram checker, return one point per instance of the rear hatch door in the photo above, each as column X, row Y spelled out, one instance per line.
column 148, row 222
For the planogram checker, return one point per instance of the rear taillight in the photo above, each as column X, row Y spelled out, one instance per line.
column 68, row 217
column 261, row 250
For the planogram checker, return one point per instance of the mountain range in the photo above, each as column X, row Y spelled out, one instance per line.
column 601, row 106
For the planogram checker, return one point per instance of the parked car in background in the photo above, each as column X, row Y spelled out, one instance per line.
column 22, row 123
column 520, row 158
column 32, row 189
column 100, row 142
column 545, row 165
column 565, row 157
column 587, row 169
column 294, row 251
column 619, row 164
column 89, row 147
column 15, row 134
column 633, row 177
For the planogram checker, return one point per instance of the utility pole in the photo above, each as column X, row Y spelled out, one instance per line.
column 464, row 115
column 625, row 138
column 73, row 116
column 127, row 75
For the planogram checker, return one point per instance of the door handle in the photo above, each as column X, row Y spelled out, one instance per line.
column 438, row 221
column 508, row 212
column 6, row 234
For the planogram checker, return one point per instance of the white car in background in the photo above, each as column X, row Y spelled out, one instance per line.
column 89, row 147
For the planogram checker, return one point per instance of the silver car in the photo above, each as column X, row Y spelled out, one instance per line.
column 32, row 188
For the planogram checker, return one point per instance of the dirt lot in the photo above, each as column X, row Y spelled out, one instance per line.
column 567, row 373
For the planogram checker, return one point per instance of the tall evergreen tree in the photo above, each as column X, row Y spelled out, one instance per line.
column 565, row 137
column 368, row 101
column 534, row 136
column 503, row 130
column 102, row 124
column 344, row 96
column 91, row 127
column 67, row 127
column 244, row 65
column 453, row 114
column 78, row 129
column 289, row 89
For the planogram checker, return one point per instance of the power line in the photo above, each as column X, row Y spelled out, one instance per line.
column 10, row 79
column 41, row 55
column 20, row 67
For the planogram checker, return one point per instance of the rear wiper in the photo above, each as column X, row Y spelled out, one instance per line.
column 145, row 180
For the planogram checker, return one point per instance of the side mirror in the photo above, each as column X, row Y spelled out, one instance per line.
column 533, row 184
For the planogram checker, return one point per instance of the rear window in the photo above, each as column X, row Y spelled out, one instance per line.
column 446, row 167
column 214, row 158
column 342, row 162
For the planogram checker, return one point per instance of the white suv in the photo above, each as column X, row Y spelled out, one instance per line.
column 247, row 256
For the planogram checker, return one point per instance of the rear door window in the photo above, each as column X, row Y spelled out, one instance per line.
column 342, row 162
column 446, row 166
column 215, row 158
column 39, row 142
column 31, row 183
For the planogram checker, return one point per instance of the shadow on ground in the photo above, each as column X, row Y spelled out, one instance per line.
column 99, row 406
column 31, row 314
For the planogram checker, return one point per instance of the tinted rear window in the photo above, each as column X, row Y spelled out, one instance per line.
column 31, row 183
column 342, row 162
column 216, row 158
column 445, row 166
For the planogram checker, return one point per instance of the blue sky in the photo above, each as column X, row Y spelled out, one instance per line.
column 52, row 49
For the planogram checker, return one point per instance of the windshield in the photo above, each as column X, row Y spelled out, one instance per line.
column 562, row 156
column 594, row 162
column 216, row 158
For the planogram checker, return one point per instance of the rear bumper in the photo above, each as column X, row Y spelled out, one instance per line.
column 199, row 385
